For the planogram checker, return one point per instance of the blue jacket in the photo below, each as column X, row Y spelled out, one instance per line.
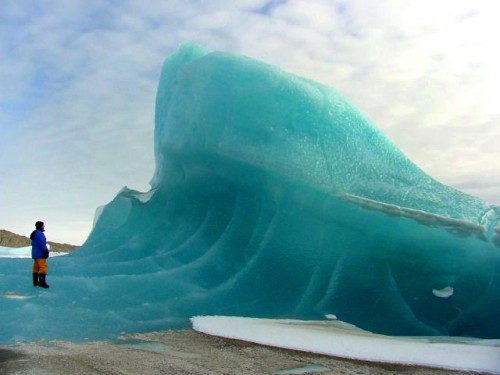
column 38, row 244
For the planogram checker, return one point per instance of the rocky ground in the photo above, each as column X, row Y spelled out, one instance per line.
column 182, row 352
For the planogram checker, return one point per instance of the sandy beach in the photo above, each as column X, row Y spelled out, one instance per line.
column 181, row 352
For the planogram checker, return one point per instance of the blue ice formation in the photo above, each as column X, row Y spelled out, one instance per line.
column 272, row 197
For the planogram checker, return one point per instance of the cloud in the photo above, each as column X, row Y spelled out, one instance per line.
column 426, row 75
column 78, row 84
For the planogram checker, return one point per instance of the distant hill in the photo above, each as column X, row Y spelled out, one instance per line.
column 9, row 239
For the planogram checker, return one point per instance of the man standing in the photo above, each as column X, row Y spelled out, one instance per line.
column 39, row 253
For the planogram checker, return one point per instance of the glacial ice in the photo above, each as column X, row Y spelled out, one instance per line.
column 272, row 197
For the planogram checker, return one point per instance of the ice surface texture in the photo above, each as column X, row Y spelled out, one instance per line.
column 272, row 197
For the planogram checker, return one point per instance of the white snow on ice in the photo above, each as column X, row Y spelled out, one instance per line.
column 443, row 293
column 337, row 338
column 21, row 252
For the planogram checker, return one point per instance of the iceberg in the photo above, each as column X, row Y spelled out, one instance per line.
column 272, row 197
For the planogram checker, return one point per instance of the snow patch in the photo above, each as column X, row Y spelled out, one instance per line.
column 340, row 339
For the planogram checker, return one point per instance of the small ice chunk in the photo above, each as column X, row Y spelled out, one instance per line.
column 331, row 316
column 443, row 293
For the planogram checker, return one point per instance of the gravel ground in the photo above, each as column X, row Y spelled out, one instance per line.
column 181, row 352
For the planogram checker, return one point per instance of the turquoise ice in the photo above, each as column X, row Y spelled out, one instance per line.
column 273, row 196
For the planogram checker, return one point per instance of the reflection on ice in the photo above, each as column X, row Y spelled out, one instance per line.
column 14, row 295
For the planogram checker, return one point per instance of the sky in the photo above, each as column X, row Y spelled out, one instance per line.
column 78, row 81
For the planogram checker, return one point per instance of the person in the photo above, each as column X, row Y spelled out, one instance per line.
column 39, row 253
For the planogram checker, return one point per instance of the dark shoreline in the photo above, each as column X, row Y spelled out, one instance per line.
column 181, row 352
